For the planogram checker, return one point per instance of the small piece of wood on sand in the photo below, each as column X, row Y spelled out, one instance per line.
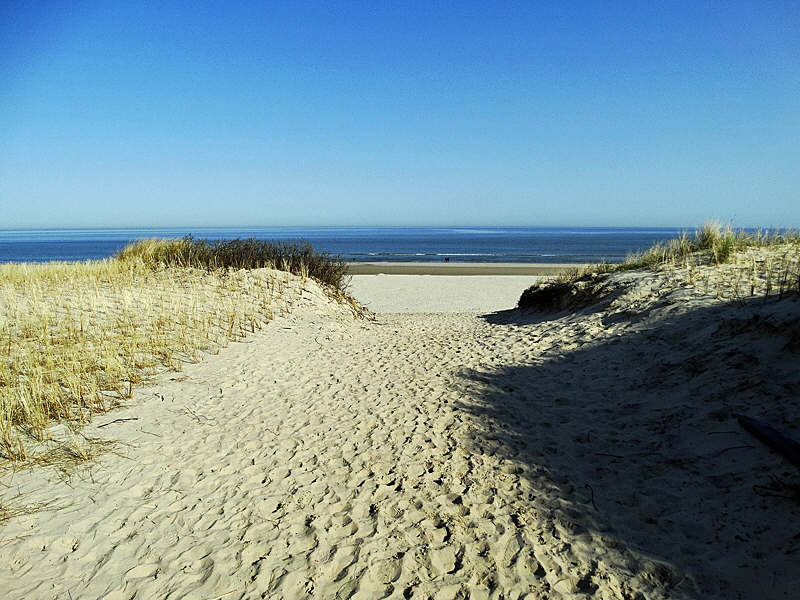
column 783, row 445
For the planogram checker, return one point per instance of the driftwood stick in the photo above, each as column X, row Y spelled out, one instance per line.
column 607, row 454
column 783, row 445
column 118, row 421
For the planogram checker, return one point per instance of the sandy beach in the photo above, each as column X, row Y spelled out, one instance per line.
column 451, row 446
column 439, row 293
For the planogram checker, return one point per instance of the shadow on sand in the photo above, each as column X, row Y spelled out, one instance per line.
column 637, row 424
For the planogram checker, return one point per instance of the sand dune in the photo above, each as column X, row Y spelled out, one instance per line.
column 439, row 455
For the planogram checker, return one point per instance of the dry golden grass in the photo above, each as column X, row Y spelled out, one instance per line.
column 734, row 266
column 713, row 243
column 75, row 338
column 768, row 272
column 748, row 263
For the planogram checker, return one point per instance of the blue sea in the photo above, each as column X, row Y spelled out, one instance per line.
column 389, row 244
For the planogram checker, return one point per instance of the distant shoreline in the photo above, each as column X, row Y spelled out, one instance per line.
column 454, row 268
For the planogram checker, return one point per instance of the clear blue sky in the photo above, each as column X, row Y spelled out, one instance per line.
column 165, row 113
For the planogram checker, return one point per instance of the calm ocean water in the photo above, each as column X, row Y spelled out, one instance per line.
column 390, row 244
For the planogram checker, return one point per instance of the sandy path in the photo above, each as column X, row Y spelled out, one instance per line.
column 326, row 458
column 428, row 456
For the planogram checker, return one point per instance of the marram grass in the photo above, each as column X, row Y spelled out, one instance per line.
column 75, row 338
column 712, row 244
column 734, row 266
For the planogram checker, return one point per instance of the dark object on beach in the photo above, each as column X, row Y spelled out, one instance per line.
column 783, row 445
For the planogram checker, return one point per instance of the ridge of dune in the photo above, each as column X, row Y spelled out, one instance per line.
column 439, row 455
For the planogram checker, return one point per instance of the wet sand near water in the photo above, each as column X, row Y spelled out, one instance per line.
column 455, row 268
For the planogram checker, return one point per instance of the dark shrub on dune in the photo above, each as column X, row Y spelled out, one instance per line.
column 297, row 257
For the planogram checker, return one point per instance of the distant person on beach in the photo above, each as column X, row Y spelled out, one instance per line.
column 446, row 259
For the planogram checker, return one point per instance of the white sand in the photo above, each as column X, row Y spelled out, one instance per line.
column 439, row 293
column 439, row 456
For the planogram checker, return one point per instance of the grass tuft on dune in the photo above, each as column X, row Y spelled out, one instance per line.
column 731, row 264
